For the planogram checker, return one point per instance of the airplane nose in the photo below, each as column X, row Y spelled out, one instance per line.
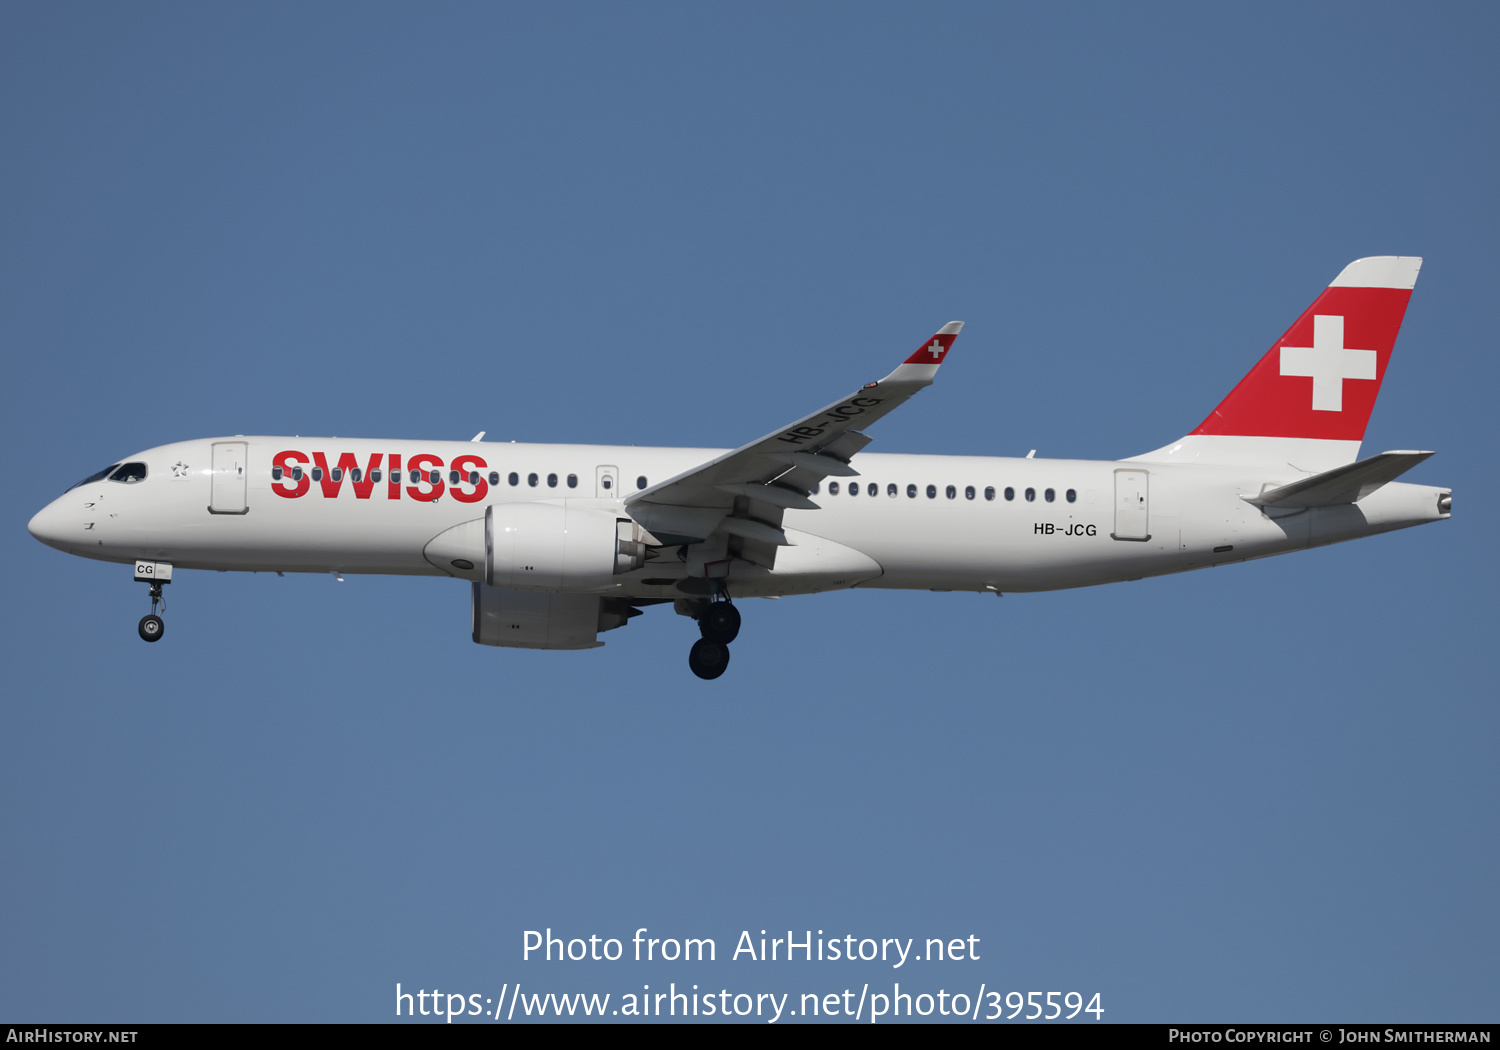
column 50, row 526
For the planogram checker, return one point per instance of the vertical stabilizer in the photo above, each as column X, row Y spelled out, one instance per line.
column 1308, row 401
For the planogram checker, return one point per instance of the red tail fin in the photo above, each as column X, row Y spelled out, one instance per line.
column 1320, row 379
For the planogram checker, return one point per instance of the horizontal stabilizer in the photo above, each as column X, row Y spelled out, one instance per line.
column 1347, row 484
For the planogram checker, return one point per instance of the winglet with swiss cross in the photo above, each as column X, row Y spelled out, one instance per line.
column 935, row 349
column 921, row 366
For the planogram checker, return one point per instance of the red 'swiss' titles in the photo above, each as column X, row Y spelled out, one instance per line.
column 293, row 473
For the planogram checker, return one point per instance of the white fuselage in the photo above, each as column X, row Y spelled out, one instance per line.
column 1125, row 519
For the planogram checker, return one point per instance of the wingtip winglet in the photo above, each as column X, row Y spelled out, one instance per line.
column 935, row 349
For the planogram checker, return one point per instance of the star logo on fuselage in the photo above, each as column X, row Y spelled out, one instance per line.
column 179, row 469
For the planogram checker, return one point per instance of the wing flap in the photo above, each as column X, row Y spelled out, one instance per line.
column 775, row 494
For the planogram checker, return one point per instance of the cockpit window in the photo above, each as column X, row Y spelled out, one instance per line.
column 95, row 477
column 129, row 473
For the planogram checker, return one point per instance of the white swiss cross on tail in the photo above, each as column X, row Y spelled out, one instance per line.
column 1328, row 362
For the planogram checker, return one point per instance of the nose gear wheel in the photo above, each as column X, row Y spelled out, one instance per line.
column 152, row 627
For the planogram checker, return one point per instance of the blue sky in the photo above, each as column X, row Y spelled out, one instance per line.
column 1265, row 792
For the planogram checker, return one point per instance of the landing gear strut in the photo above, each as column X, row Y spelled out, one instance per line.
column 151, row 627
column 719, row 623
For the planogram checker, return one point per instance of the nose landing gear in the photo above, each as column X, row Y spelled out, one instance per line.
column 151, row 627
column 156, row 573
column 719, row 623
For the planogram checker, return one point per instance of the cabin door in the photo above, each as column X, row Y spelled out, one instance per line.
column 1132, row 505
column 227, row 495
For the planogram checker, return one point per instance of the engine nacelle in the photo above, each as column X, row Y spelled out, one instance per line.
column 558, row 547
column 545, row 619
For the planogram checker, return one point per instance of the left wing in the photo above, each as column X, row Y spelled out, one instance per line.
column 739, row 497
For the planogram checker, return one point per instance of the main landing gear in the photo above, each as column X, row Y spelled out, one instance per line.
column 151, row 627
column 708, row 659
column 719, row 623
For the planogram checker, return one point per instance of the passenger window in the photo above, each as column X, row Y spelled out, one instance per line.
column 1010, row 493
column 354, row 475
column 854, row 488
column 453, row 477
column 572, row 481
column 952, row 492
column 552, row 481
column 296, row 473
column 969, row 492
column 531, row 479
column 317, row 473
column 435, row 476
column 474, row 478
column 932, row 492
column 890, row 490
column 815, row 488
column 494, row 477
column 989, row 492
column 416, row 476
column 1031, row 495
column 275, row 475
column 609, row 483
column 1050, row 495
column 833, row 488
column 911, row 492
column 873, row 490
column 375, row 476
column 336, row 474
column 640, row 482
column 1072, row 495
column 514, row 479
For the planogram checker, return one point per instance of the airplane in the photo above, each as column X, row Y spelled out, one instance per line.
column 561, row 543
